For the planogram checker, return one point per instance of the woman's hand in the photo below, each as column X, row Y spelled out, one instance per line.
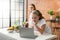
column 25, row 24
column 35, row 25
column 41, row 30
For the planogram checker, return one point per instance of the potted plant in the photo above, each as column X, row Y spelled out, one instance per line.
column 57, row 17
column 50, row 12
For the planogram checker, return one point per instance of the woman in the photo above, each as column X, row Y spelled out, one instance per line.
column 31, row 9
column 39, row 23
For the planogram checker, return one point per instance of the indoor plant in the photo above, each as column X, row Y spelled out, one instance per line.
column 50, row 12
column 57, row 17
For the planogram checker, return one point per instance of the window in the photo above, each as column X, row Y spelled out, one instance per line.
column 4, row 13
column 17, row 11
column 12, row 12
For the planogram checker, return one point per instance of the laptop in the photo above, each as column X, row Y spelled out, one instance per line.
column 27, row 33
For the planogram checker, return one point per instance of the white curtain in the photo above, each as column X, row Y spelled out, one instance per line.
column 4, row 13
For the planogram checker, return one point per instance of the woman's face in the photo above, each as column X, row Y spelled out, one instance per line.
column 31, row 8
column 35, row 18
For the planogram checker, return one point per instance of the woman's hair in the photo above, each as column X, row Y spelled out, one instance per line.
column 38, row 13
column 33, row 6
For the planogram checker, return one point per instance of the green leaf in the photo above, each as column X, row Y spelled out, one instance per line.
column 50, row 12
column 57, row 16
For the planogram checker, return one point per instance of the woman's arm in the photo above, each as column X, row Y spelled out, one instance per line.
column 41, row 30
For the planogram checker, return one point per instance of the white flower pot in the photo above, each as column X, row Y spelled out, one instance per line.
column 57, row 19
column 51, row 17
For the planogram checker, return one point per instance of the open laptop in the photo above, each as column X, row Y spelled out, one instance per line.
column 27, row 33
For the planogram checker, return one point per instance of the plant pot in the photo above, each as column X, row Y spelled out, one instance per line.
column 57, row 19
column 51, row 17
